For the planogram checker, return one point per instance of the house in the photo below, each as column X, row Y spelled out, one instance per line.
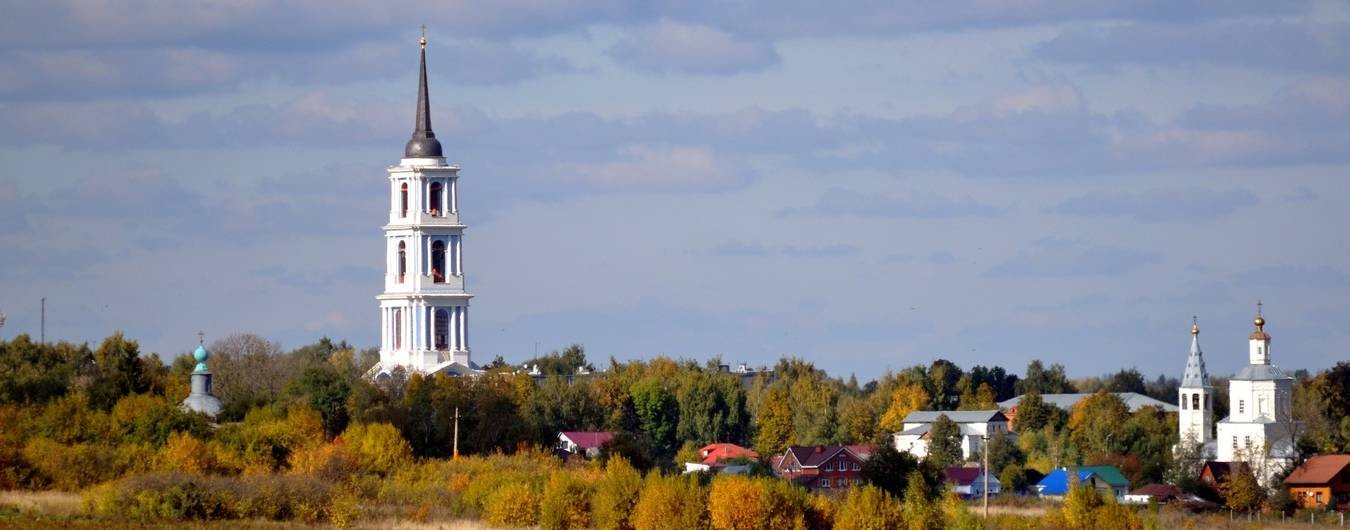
column 1158, row 493
column 823, row 467
column 969, row 481
column 1106, row 479
column 716, row 457
column 1322, row 481
column 1134, row 401
column 582, row 442
column 973, row 424
column 1215, row 473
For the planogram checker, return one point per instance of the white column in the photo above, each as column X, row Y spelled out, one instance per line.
column 454, row 195
column 459, row 254
column 465, row 322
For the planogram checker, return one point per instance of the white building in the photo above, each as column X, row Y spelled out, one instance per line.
column 1195, row 414
column 424, row 310
column 973, row 424
column 1260, row 429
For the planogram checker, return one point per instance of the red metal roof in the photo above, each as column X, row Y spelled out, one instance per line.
column 717, row 452
column 963, row 476
column 1318, row 470
column 588, row 440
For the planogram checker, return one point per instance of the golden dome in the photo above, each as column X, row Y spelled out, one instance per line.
column 1195, row 329
column 1260, row 321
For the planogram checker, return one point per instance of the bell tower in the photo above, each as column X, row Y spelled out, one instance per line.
column 424, row 309
column 1196, row 415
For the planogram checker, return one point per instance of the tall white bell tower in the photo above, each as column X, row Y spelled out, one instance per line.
column 1196, row 415
column 424, row 310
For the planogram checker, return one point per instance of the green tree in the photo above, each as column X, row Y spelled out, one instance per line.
column 944, row 443
column 889, row 469
column 571, row 360
column 324, row 389
column 658, row 415
column 1041, row 380
column 1013, row 478
column 857, row 421
column 1126, row 380
column 36, row 373
column 1003, row 452
column 1034, row 414
column 944, row 378
column 118, row 371
column 1097, row 424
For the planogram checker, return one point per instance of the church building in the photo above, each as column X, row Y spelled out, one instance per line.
column 424, row 309
column 1260, row 430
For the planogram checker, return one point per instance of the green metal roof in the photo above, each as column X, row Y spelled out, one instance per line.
column 1110, row 474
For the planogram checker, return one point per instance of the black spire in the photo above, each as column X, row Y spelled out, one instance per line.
column 423, row 143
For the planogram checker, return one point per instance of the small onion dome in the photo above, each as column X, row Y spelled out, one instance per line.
column 1195, row 329
column 200, row 354
column 1259, row 321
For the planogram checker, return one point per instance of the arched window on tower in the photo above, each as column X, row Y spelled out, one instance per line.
column 438, row 261
column 435, row 204
column 398, row 329
column 402, row 261
column 442, row 329
column 1183, row 402
column 403, row 198
column 1195, row 401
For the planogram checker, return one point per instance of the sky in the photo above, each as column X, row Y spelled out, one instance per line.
column 865, row 185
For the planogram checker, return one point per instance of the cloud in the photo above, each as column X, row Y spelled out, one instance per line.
column 317, row 278
column 648, row 168
column 674, row 48
column 1158, row 205
column 839, row 201
column 145, row 194
column 12, row 208
column 1297, row 47
column 1052, row 257
column 1321, row 277
column 735, row 249
column 1300, row 195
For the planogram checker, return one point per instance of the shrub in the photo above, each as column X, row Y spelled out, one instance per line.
column 615, row 495
column 1080, row 504
column 178, row 496
column 331, row 462
column 514, row 504
column 869, row 508
column 566, row 502
column 377, row 447
column 670, row 502
column 72, row 467
column 186, row 453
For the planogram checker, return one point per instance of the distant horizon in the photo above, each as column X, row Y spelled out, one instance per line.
column 863, row 186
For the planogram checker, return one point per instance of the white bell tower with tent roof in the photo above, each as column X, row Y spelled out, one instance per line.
column 1195, row 415
column 424, row 309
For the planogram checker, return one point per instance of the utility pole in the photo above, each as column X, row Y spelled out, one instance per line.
column 44, row 321
column 455, row 455
column 986, row 474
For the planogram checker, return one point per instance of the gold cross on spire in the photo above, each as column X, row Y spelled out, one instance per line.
column 201, row 338
column 1258, row 307
column 422, row 41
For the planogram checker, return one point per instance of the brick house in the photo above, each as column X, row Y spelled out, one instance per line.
column 823, row 467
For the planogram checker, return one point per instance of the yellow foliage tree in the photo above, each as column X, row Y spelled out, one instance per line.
column 566, row 502
column 186, row 453
column 615, row 495
column 512, row 505
column 670, row 502
column 377, row 447
column 869, row 508
column 906, row 399
column 742, row 503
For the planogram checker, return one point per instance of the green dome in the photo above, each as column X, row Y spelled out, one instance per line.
column 200, row 354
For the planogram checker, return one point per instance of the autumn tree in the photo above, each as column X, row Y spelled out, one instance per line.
column 857, row 421
column 616, row 493
column 869, row 508
column 675, row 501
column 774, row 421
column 1097, row 424
column 566, row 502
column 1240, row 490
column 904, row 400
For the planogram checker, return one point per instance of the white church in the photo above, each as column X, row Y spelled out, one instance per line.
column 1260, row 429
column 424, row 309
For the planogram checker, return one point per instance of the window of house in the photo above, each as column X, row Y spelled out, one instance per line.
column 1247, row 440
column 1183, row 402
column 857, row 466
column 824, row 483
column 829, row 466
column 1242, row 406
column 1234, row 441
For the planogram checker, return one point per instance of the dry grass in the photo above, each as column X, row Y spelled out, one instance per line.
column 56, row 503
column 395, row 524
